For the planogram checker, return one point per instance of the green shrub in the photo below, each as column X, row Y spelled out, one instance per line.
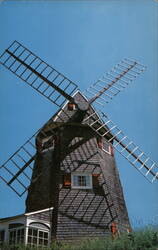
column 142, row 240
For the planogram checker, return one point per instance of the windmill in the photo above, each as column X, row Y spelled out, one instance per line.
column 69, row 163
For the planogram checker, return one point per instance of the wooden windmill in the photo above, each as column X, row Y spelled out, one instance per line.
column 69, row 163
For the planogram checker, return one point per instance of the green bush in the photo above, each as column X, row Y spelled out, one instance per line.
column 146, row 239
column 142, row 240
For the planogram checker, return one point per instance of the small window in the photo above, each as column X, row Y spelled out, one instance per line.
column 82, row 181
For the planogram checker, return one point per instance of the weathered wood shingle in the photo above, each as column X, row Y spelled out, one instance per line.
column 80, row 213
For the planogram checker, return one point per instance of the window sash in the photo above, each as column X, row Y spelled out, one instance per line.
column 16, row 235
column 37, row 237
column 82, row 181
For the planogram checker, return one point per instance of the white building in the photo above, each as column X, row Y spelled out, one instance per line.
column 30, row 228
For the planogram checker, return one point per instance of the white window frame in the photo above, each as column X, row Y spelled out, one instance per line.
column 38, row 236
column 16, row 235
column 81, row 187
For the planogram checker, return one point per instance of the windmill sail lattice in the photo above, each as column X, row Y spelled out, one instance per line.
column 114, row 81
column 57, row 88
column 103, row 125
column 16, row 172
column 69, row 163
column 38, row 74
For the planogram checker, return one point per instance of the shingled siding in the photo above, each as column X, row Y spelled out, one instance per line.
column 88, row 213
column 44, row 216
column 81, row 213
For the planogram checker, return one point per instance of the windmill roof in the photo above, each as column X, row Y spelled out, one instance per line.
column 63, row 115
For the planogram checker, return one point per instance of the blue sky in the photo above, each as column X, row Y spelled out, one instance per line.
column 84, row 39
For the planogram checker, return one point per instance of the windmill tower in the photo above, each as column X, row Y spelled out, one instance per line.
column 80, row 169
column 69, row 163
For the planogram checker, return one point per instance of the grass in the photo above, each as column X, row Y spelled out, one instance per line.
column 142, row 240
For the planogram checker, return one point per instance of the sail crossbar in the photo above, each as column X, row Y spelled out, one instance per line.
column 105, row 127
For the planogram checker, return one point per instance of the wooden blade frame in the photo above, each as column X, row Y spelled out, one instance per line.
column 16, row 172
column 38, row 74
column 114, row 81
column 126, row 147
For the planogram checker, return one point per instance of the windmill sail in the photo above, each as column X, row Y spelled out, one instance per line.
column 73, row 151
column 114, row 81
column 38, row 74
column 16, row 172
column 126, row 147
